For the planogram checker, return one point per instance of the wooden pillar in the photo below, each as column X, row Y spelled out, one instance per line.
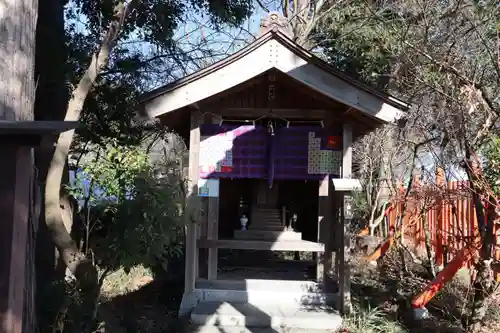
column 347, row 150
column 192, row 207
column 343, row 262
column 213, row 233
column 213, row 229
column 440, row 182
column 323, row 230
column 323, row 259
column 283, row 216
column 15, row 183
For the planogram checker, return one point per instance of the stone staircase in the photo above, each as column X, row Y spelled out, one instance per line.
column 265, row 306
column 266, row 219
column 216, row 317
column 266, row 224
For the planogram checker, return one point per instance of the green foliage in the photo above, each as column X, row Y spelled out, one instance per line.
column 140, row 219
column 492, row 165
column 142, row 230
column 356, row 43
column 116, row 172
column 147, row 54
column 372, row 321
column 131, row 217
column 360, row 207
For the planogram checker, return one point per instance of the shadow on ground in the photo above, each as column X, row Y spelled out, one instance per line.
column 150, row 309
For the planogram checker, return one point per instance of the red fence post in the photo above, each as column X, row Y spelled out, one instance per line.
column 440, row 183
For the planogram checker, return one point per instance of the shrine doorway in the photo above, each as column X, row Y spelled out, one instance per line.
column 237, row 198
column 265, row 195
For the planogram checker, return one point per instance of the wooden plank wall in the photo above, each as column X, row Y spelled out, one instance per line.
column 16, row 266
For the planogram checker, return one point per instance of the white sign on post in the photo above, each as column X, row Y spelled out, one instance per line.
column 208, row 188
column 345, row 186
column 348, row 213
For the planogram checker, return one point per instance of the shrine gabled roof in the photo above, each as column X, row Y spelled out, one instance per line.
column 273, row 50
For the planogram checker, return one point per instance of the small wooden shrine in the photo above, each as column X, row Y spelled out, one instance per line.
column 268, row 128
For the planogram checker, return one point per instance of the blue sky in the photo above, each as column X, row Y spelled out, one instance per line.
column 196, row 29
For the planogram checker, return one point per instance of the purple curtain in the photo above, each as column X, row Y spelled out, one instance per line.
column 256, row 154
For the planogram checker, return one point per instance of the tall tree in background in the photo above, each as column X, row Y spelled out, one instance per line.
column 18, row 24
column 303, row 17
column 439, row 56
column 50, row 104
column 103, row 68
column 341, row 33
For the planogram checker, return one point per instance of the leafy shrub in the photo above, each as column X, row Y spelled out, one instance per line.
column 131, row 215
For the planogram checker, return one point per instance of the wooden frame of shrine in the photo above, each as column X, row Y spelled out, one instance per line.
column 18, row 141
column 311, row 112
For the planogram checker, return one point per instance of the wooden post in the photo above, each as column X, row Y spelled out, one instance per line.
column 343, row 262
column 283, row 216
column 192, row 213
column 347, row 150
column 17, row 97
column 14, row 208
column 213, row 230
column 325, row 226
column 440, row 182
column 323, row 231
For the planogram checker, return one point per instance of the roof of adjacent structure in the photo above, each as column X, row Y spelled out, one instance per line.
column 273, row 50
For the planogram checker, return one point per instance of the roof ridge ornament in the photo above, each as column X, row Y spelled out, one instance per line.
column 275, row 22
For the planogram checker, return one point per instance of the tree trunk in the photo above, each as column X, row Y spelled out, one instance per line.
column 428, row 244
column 17, row 52
column 384, row 191
column 483, row 285
column 67, row 248
column 17, row 96
column 76, row 262
column 50, row 104
column 482, row 289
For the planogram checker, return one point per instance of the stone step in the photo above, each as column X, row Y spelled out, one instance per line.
column 266, row 208
column 266, row 212
column 237, row 329
column 268, row 216
column 267, row 235
column 264, row 222
column 256, row 291
column 262, row 245
column 284, row 287
column 226, row 314
column 276, row 228
column 265, row 218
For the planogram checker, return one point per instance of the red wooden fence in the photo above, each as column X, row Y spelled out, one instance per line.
column 449, row 212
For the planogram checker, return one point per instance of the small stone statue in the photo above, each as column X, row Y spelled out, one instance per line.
column 292, row 222
column 244, row 221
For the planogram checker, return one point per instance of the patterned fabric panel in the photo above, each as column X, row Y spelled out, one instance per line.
column 307, row 153
column 298, row 152
column 231, row 151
